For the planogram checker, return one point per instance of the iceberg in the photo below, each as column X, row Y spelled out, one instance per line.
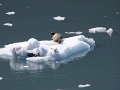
column 48, row 50
column 10, row 13
column 59, row 18
column 8, row 24
column 101, row 30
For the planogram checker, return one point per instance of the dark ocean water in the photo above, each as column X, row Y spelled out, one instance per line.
column 34, row 18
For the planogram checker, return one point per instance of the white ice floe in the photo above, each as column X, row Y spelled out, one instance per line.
column 10, row 13
column 101, row 30
column 84, row 85
column 0, row 4
column 73, row 32
column 69, row 47
column 1, row 78
column 59, row 18
column 8, row 24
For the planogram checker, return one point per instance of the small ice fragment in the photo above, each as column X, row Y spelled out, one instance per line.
column 73, row 32
column 105, row 16
column 110, row 31
column 0, row 4
column 97, row 29
column 10, row 13
column 8, row 24
column 59, row 18
column 83, row 86
column 1, row 78
column 101, row 29
column 26, row 66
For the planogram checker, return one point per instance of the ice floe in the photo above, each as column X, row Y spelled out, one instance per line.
column 101, row 30
column 10, row 13
column 73, row 32
column 1, row 78
column 8, row 24
column 52, row 54
column 84, row 85
column 0, row 4
column 59, row 18
column 68, row 47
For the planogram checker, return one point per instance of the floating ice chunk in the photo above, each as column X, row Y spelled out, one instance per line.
column 83, row 86
column 101, row 29
column 8, row 24
column 70, row 47
column 0, row 4
column 10, row 13
column 59, row 18
column 26, row 66
column 1, row 78
column 73, row 32
column 110, row 31
column 97, row 29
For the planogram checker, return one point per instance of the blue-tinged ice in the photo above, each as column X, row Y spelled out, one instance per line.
column 48, row 50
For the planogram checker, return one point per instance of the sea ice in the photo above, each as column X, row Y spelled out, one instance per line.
column 0, row 4
column 83, row 86
column 101, row 30
column 70, row 46
column 8, row 24
column 10, row 13
column 110, row 31
column 73, row 32
column 1, row 78
column 59, row 18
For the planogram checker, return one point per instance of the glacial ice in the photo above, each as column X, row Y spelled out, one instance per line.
column 1, row 78
column 84, row 85
column 69, row 47
column 8, row 24
column 10, row 13
column 59, row 18
column 101, row 30
column 74, row 32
